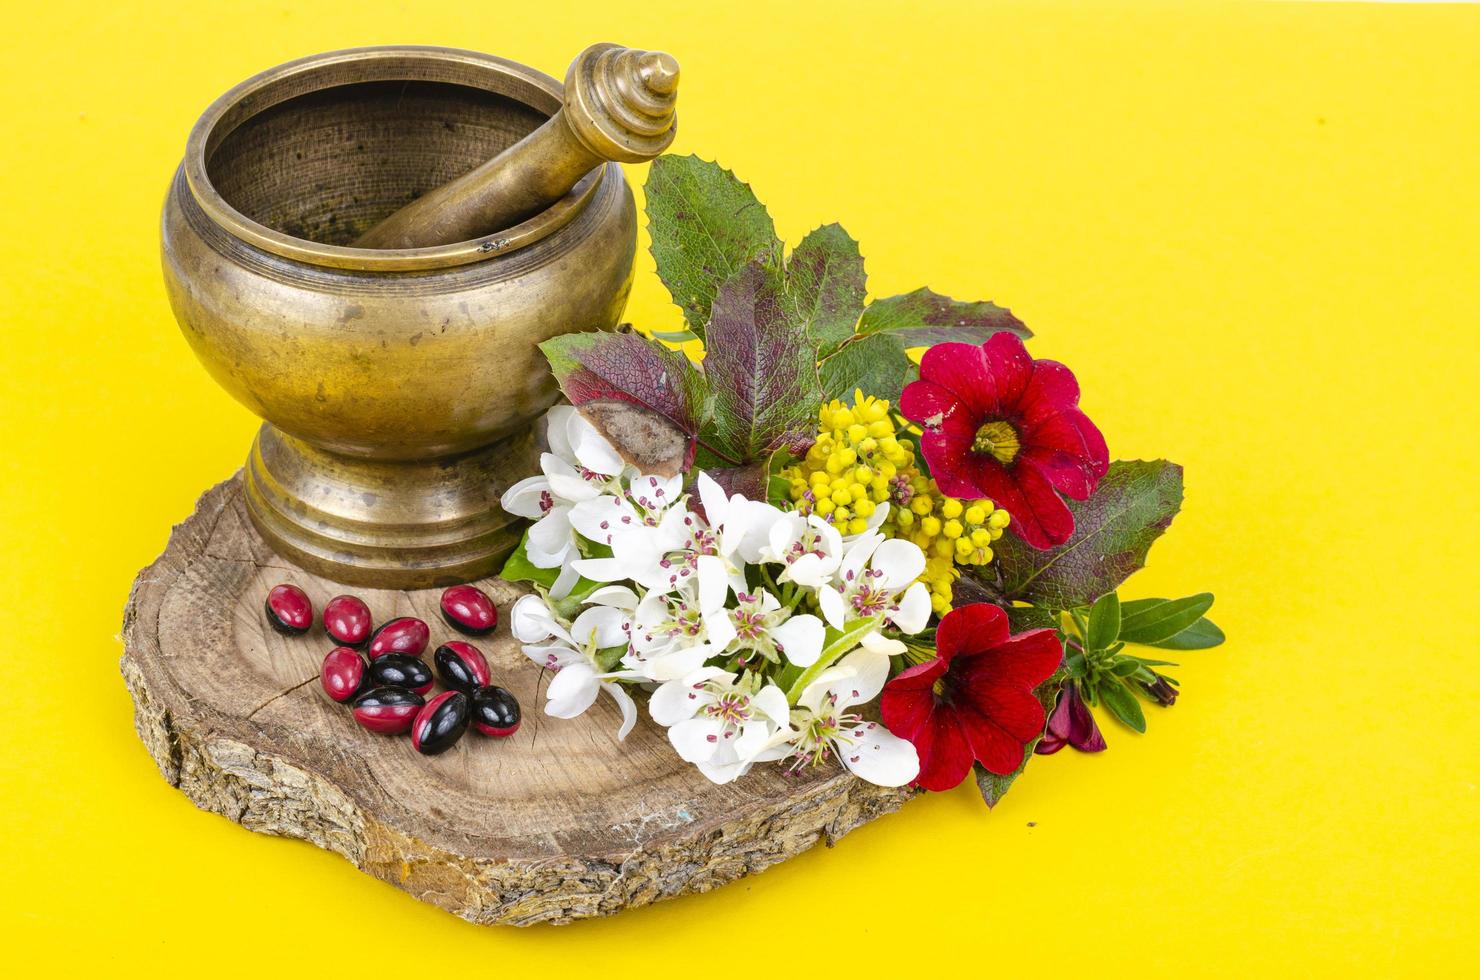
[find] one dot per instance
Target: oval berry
(343, 674)
(468, 610)
(461, 666)
(387, 710)
(441, 723)
(495, 712)
(347, 620)
(399, 670)
(407, 635)
(289, 610)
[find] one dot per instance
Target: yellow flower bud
(930, 525)
(999, 518)
(857, 526)
(903, 517)
(864, 507)
(976, 514)
(951, 508)
(824, 506)
(923, 506)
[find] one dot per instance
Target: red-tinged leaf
(761, 368)
(925, 317)
(705, 224)
(604, 367)
(1133, 504)
(825, 283)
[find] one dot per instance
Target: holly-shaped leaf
(1134, 503)
(825, 283)
(596, 369)
(877, 366)
(762, 370)
(706, 225)
(925, 317)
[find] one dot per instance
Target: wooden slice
(558, 822)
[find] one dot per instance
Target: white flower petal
(677, 700)
(800, 639)
(696, 739)
(878, 755)
(911, 613)
(771, 702)
(600, 569)
(716, 504)
(833, 609)
(526, 498)
(600, 519)
(900, 561)
(601, 626)
(571, 691)
(557, 425)
(867, 671)
(616, 596)
(882, 644)
(564, 582)
(530, 620)
(591, 448)
(714, 583)
(553, 655)
(668, 666)
(549, 538)
(626, 705)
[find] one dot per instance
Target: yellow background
(1251, 231)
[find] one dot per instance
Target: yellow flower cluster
(853, 465)
(859, 462)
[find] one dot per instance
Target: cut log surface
(558, 822)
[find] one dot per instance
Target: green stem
(845, 642)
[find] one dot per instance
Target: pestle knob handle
(619, 105)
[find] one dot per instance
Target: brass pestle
(618, 105)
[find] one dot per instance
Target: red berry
(468, 610)
(343, 674)
(399, 670)
(461, 666)
(441, 723)
(495, 712)
(347, 620)
(387, 710)
(407, 635)
(289, 610)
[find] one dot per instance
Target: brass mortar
(398, 386)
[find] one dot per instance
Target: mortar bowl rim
(348, 66)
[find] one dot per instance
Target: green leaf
(518, 567)
(1199, 636)
(647, 400)
(877, 365)
(825, 286)
(1113, 529)
(1104, 622)
(925, 317)
(1161, 619)
(992, 786)
(1125, 668)
(1123, 704)
(761, 369)
(706, 225)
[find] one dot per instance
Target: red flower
(1001, 425)
(1071, 723)
(975, 699)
